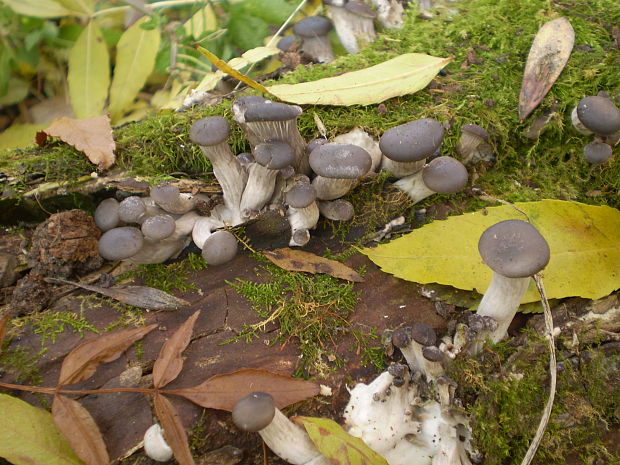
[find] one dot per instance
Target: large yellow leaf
(402, 75)
(584, 242)
(38, 8)
(79, 7)
(202, 21)
(89, 73)
(135, 60)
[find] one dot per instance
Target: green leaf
(19, 136)
(89, 73)
(202, 21)
(246, 31)
(78, 7)
(402, 75)
(38, 8)
(338, 445)
(28, 436)
(272, 11)
(584, 242)
(135, 60)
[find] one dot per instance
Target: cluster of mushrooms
(598, 115)
(282, 172)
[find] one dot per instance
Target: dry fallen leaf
(223, 391)
(299, 260)
(4, 322)
(83, 361)
(169, 362)
(549, 53)
(78, 426)
(174, 433)
(93, 136)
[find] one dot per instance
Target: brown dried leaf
(4, 322)
(174, 433)
(80, 429)
(83, 361)
(223, 391)
(169, 362)
(549, 53)
(93, 136)
(300, 260)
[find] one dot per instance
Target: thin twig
(553, 373)
(484, 196)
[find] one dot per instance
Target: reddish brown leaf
(549, 53)
(223, 391)
(4, 323)
(80, 429)
(300, 260)
(174, 433)
(83, 361)
(169, 362)
(92, 136)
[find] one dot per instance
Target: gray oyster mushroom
(315, 42)
(303, 211)
(596, 114)
(473, 144)
(219, 248)
(354, 24)
(106, 214)
(596, 153)
(336, 210)
(120, 243)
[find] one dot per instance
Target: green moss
(49, 324)
(23, 363)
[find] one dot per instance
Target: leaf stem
(52, 391)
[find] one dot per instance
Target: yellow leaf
(38, 8)
(135, 60)
(584, 242)
(19, 136)
(78, 7)
(202, 21)
(89, 73)
(402, 75)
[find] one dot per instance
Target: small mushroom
(515, 251)
(170, 199)
(288, 43)
(411, 340)
(336, 210)
(315, 43)
(473, 144)
(434, 360)
(106, 214)
(354, 24)
(219, 248)
(405, 147)
(338, 168)
(596, 114)
(132, 210)
(443, 175)
(303, 212)
(257, 412)
(361, 138)
(158, 227)
(596, 153)
(120, 243)
(155, 445)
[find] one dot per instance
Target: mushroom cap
(597, 152)
(445, 175)
(131, 209)
(274, 154)
(475, 130)
(599, 114)
(165, 193)
(432, 354)
(412, 141)
(120, 243)
(314, 143)
(301, 195)
(158, 227)
(270, 111)
(254, 412)
(423, 334)
(209, 131)
(106, 214)
(337, 210)
(340, 161)
(286, 42)
(312, 26)
(401, 337)
(514, 248)
(360, 9)
(219, 248)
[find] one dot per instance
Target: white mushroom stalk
(354, 24)
(315, 42)
(515, 251)
(389, 13)
(303, 211)
(155, 446)
(411, 340)
(443, 175)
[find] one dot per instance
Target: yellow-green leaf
(89, 73)
(584, 242)
(135, 60)
(28, 436)
(338, 445)
(38, 8)
(19, 136)
(78, 7)
(402, 75)
(202, 21)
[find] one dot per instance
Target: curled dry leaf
(83, 361)
(169, 362)
(78, 426)
(549, 53)
(223, 391)
(137, 296)
(300, 260)
(174, 432)
(92, 136)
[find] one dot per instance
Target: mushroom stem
(401, 169)
(414, 187)
(302, 218)
(258, 190)
(332, 188)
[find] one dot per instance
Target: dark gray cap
(360, 9)
(337, 210)
(412, 141)
(314, 143)
(341, 161)
(120, 243)
(209, 131)
(286, 42)
(401, 337)
(274, 154)
(165, 193)
(475, 130)
(597, 152)
(271, 111)
(514, 248)
(599, 114)
(423, 334)
(445, 175)
(301, 195)
(106, 214)
(219, 248)
(254, 412)
(433, 354)
(312, 26)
